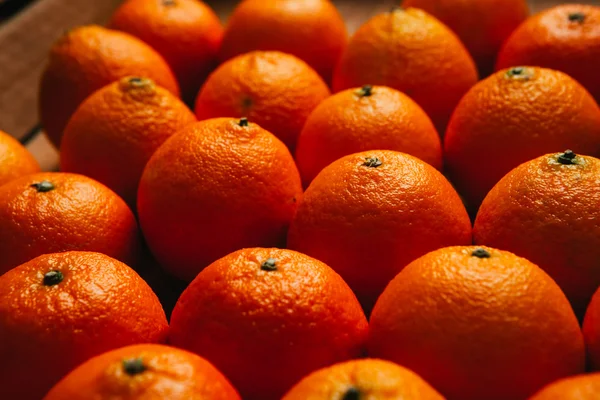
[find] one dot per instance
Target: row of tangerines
(463, 322)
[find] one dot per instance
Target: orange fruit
(269, 311)
(565, 37)
(512, 117)
(367, 118)
(477, 323)
(275, 90)
(15, 160)
(482, 26)
(591, 331)
(371, 378)
(60, 309)
(548, 211)
(215, 187)
(409, 50)
(114, 132)
(369, 214)
(144, 371)
(580, 387)
(187, 33)
(312, 30)
(56, 211)
(86, 59)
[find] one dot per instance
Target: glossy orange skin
(275, 90)
(377, 379)
(350, 122)
(289, 321)
(187, 33)
(312, 30)
(367, 223)
(580, 387)
(477, 328)
(213, 188)
(413, 52)
(506, 120)
(115, 131)
(15, 160)
(591, 331)
(45, 331)
(86, 59)
(482, 25)
(170, 373)
(79, 214)
(549, 213)
(550, 39)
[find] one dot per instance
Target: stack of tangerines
(320, 250)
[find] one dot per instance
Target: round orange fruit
(267, 309)
(579, 387)
(312, 30)
(367, 118)
(187, 33)
(369, 214)
(144, 371)
(114, 132)
(86, 59)
(565, 37)
(357, 379)
(15, 160)
(55, 211)
(482, 26)
(514, 116)
(477, 323)
(275, 90)
(548, 211)
(58, 310)
(411, 51)
(215, 187)
(591, 331)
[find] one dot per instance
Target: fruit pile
(270, 210)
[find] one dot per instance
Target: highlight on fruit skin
(144, 371)
(578, 387)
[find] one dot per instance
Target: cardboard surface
(26, 37)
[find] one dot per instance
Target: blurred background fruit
(145, 371)
(15, 160)
(369, 214)
(367, 118)
(578, 387)
(84, 60)
(514, 116)
(215, 187)
(115, 131)
(277, 91)
(409, 50)
(565, 37)
(477, 323)
(187, 33)
(268, 317)
(57, 211)
(312, 30)
(58, 310)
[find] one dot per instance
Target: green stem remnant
(567, 158)
(578, 17)
(52, 278)
(481, 253)
(244, 122)
(372, 162)
(365, 91)
(352, 394)
(43, 186)
(133, 366)
(269, 265)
